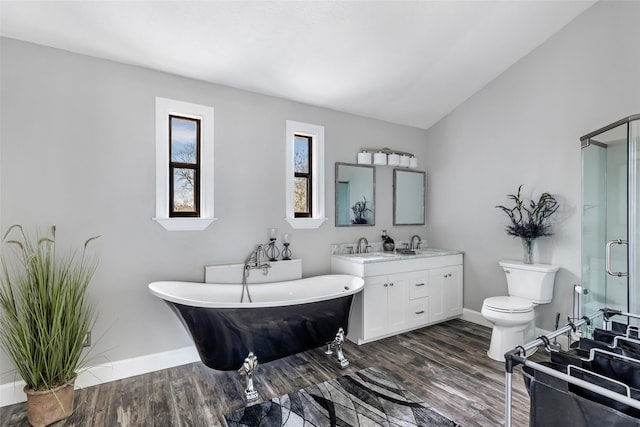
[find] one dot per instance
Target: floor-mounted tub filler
(284, 318)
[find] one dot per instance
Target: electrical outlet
(87, 339)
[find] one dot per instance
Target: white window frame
(316, 133)
(164, 108)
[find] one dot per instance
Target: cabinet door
(452, 291)
(445, 293)
(375, 306)
(397, 301)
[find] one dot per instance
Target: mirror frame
(373, 193)
(424, 196)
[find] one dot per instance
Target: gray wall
(524, 128)
(78, 151)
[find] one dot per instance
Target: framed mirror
(355, 195)
(409, 189)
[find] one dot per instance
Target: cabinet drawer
(418, 288)
(417, 314)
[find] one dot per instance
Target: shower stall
(610, 229)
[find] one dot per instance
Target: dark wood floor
(445, 364)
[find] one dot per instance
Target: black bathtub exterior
(225, 336)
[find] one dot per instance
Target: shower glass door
(610, 192)
(634, 202)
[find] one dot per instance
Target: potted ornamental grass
(44, 318)
(529, 220)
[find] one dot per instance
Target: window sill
(305, 223)
(184, 224)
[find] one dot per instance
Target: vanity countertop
(376, 257)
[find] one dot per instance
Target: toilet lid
(509, 304)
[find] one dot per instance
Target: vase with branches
(529, 220)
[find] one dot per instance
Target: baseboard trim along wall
(475, 317)
(11, 393)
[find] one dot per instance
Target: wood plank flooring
(444, 364)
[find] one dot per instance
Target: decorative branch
(530, 220)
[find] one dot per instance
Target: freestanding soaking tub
(284, 318)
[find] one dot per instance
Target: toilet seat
(508, 304)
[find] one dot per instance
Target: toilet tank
(531, 281)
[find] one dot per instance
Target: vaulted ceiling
(406, 62)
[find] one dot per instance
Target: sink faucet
(362, 245)
(415, 242)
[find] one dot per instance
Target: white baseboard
(475, 317)
(11, 393)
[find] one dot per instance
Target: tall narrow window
(303, 176)
(184, 167)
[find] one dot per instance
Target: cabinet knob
(386, 284)
(420, 312)
(419, 284)
(391, 284)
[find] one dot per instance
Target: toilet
(513, 316)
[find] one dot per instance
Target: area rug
(365, 398)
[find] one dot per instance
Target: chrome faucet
(254, 262)
(363, 243)
(255, 258)
(416, 241)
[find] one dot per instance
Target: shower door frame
(632, 204)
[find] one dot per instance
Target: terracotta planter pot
(47, 407)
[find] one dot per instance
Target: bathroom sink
(372, 255)
(398, 255)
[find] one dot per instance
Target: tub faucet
(415, 242)
(255, 259)
(362, 245)
(252, 262)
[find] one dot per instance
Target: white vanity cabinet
(402, 292)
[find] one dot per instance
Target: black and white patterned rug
(366, 398)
